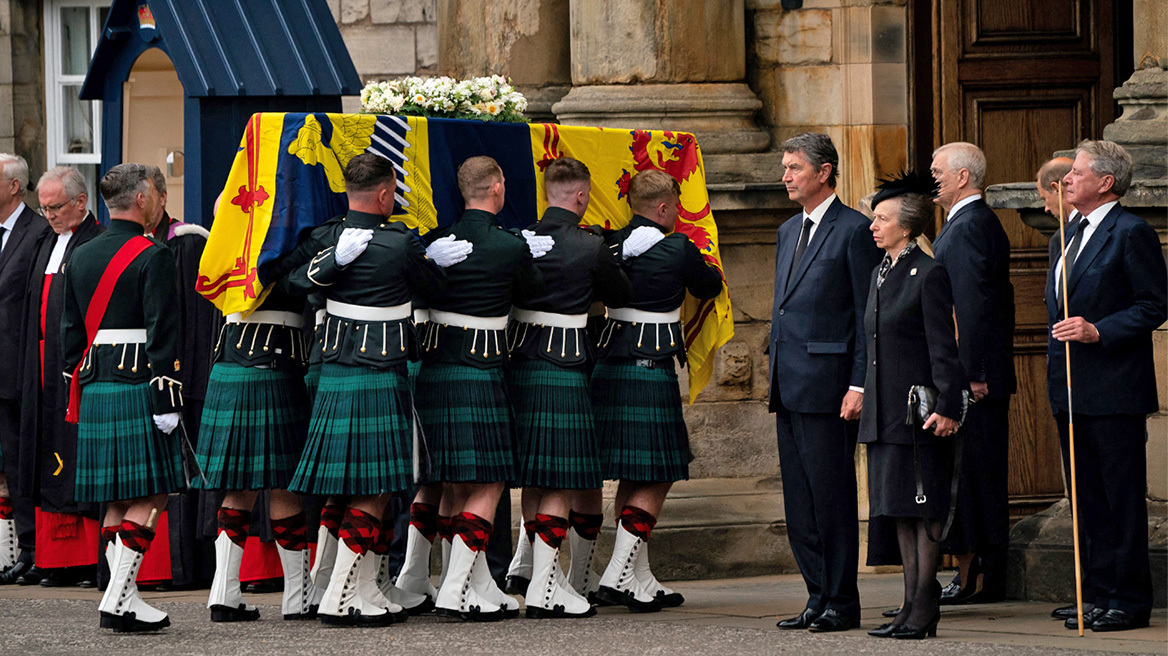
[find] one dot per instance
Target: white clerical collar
(960, 204)
(816, 214)
(10, 222)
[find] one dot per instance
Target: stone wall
(22, 86)
(388, 38)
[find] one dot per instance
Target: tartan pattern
(359, 530)
(331, 518)
(586, 526)
(446, 528)
(291, 532)
(638, 522)
(108, 533)
(551, 529)
(424, 517)
(135, 536)
(235, 523)
(120, 453)
(555, 431)
(5, 508)
(384, 538)
(638, 418)
(312, 380)
(475, 530)
(529, 529)
(360, 440)
(253, 427)
(467, 423)
(413, 368)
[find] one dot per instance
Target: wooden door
(1023, 79)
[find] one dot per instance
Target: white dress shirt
(816, 216)
(1088, 228)
(8, 224)
(960, 204)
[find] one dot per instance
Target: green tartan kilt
(466, 421)
(360, 440)
(413, 367)
(312, 380)
(555, 432)
(120, 453)
(253, 428)
(638, 417)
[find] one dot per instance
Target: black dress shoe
(31, 577)
(516, 585)
(832, 620)
(63, 577)
(9, 576)
(891, 612)
(1067, 612)
(800, 621)
(1089, 618)
(908, 632)
(1118, 620)
(885, 630)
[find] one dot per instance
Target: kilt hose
(555, 433)
(638, 418)
(120, 453)
(360, 440)
(466, 419)
(253, 428)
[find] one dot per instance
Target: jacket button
(782, 312)
(873, 363)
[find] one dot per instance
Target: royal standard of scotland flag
(287, 178)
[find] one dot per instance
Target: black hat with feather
(907, 182)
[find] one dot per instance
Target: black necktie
(804, 236)
(1078, 227)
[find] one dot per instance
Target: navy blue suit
(975, 250)
(817, 350)
(1119, 283)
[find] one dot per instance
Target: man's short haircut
(476, 176)
(158, 177)
(13, 167)
(121, 184)
(817, 149)
(565, 170)
(367, 171)
(1053, 171)
(68, 177)
(1109, 158)
(964, 155)
(651, 187)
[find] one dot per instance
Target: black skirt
(892, 482)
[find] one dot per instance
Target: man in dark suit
(975, 251)
(19, 229)
(824, 262)
(1116, 296)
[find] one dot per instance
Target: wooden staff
(1071, 420)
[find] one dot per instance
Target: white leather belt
(421, 315)
(552, 319)
(275, 317)
(120, 336)
(467, 321)
(320, 316)
(641, 316)
(368, 312)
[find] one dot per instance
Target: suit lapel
(1094, 246)
(813, 246)
(783, 258)
(18, 232)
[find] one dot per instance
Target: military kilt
(312, 380)
(253, 428)
(120, 453)
(555, 431)
(466, 419)
(638, 417)
(360, 440)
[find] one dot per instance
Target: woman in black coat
(911, 341)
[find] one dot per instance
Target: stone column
(525, 40)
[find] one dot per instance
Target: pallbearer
(557, 443)
(118, 338)
(635, 391)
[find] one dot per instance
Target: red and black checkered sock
(291, 532)
(551, 529)
(383, 540)
(529, 529)
(359, 530)
(446, 528)
(586, 526)
(135, 536)
(108, 533)
(330, 518)
(5, 508)
(424, 517)
(234, 523)
(638, 522)
(474, 530)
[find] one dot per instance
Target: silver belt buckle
(645, 362)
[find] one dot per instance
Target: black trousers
(981, 524)
(1111, 463)
(818, 467)
(23, 508)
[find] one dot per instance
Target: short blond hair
(476, 176)
(650, 187)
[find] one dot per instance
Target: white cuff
(855, 388)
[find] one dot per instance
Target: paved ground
(720, 617)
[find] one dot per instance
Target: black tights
(920, 556)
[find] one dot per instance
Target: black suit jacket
(1119, 282)
(15, 265)
(909, 326)
(817, 346)
(975, 251)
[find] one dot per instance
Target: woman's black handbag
(922, 403)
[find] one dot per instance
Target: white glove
(641, 240)
(448, 252)
(353, 242)
(167, 422)
(539, 245)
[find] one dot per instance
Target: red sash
(96, 311)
